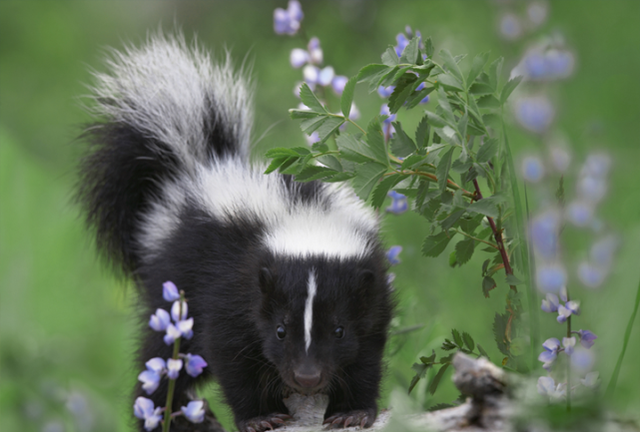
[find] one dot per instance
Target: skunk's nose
(308, 377)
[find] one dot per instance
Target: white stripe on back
(308, 309)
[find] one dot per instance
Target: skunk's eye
(339, 332)
(281, 332)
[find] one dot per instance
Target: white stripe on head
(308, 309)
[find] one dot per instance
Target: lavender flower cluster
(157, 368)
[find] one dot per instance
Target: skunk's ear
(266, 281)
(365, 281)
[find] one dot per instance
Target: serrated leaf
(464, 250)
(451, 64)
(483, 352)
(499, 330)
(481, 88)
(447, 112)
(382, 188)
(476, 67)
(412, 160)
(487, 285)
(442, 170)
(413, 383)
(433, 385)
(429, 50)
(485, 266)
(457, 338)
(488, 101)
(327, 128)
(309, 98)
(435, 120)
(330, 162)
(422, 133)
(411, 51)
(284, 151)
(417, 97)
(509, 87)
(401, 144)
(367, 176)
(354, 150)
(434, 245)
(403, 90)
(462, 125)
(468, 341)
(449, 82)
(389, 57)
(494, 72)
(512, 280)
(347, 96)
(375, 139)
(276, 163)
(487, 150)
(429, 360)
(451, 220)
(297, 114)
(311, 173)
(308, 126)
(486, 206)
(387, 78)
(369, 72)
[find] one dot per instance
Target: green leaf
(354, 149)
(464, 250)
(457, 338)
(403, 90)
(371, 72)
(494, 72)
(389, 57)
(449, 82)
(312, 172)
(512, 280)
(422, 133)
(442, 170)
(434, 245)
(468, 341)
(483, 352)
(417, 96)
(308, 126)
(429, 50)
(499, 330)
(330, 162)
(488, 101)
(310, 99)
(433, 385)
(412, 160)
(462, 125)
(485, 206)
(382, 188)
(476, 67)
(451, 64)
(411, 51)
(487, 285)
(284, 151)
(508, 88)
(367, 176)
(487, 150)
(480, 89)
(446, 107)
(492, 120)
(328, 128)
(276, 163)
(375, 139)
(297, 114)
(435, 120)
(347, 96)
(401, 144)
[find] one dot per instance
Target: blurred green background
(67, 332)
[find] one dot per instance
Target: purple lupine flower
(582, 359)
(160, 320)
(510, 27)
(537, 13)
(570, 308)
(597, 165)
(313, 138)
(399, 203)
(194, 364)
(170, 291)
(194, 411)
(592, 189)
(579, 212)
(392, 254)
(172, 334)
(311, 74)
(143, 409)
(179, 310)
(384, 111)
(603, 250)
(385, 92)
(402, 41)
(551, 348)
(551, 278)
(534, 113)
(315, 51)
(426, 98)
(591, 379)
(338, 83)
(563, 294)
(544, 232)
(288, 21)
(568, 343)
(532, 169)
(551, 303)
(587, 338)
(173, 368)
(547, 387)
(298, 57)
(150, 381)
(185, 327)
(157, 365)
(590, 274)
(326, 76)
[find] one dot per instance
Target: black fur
(238, 291)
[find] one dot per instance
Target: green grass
(66, 322)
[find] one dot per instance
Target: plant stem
(568, 363)
(172, 383)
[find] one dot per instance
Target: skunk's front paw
(362, 418)
(264, 423)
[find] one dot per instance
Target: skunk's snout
(307, 376)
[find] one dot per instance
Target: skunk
(286, 281)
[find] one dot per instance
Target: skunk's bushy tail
(163, 111)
